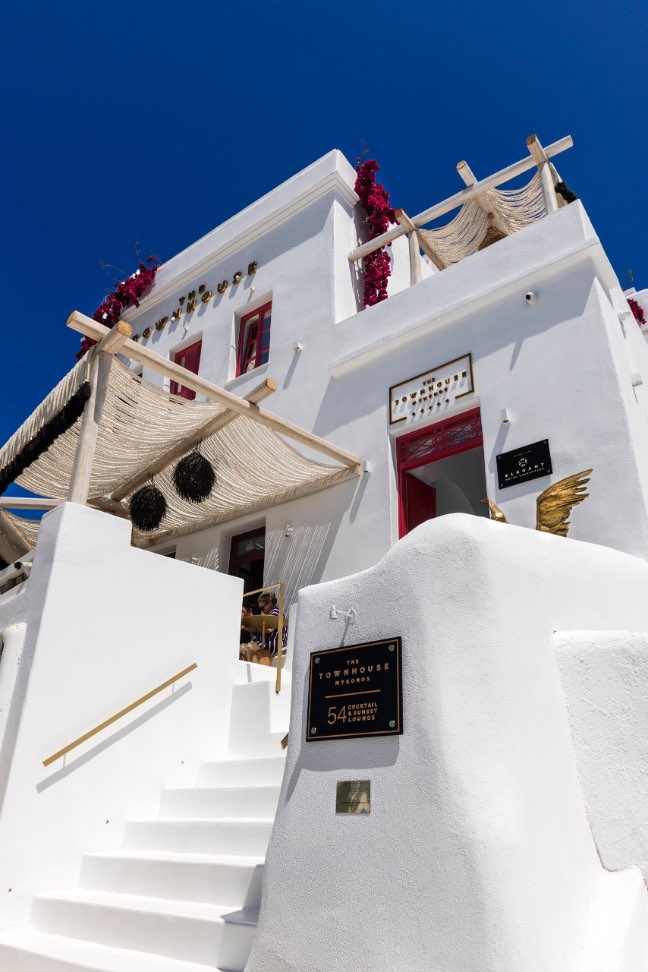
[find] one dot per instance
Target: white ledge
(331, 173)
(566, 237)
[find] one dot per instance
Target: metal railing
(280, 628)
(118, 715)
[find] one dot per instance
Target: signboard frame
(381, 704)
(429, 396)
(536, 456)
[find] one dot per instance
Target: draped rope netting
(255, 468)
(513, 209)
(26, 529)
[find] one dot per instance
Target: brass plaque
(353, 796)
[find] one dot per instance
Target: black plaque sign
(355, 691)
(520, 465)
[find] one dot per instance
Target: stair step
(31, 951)
(242, 772)
(207, 802)
(184, 930)
(247, 838)
(234, 881)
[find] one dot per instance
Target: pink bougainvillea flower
(126, 294)
(376, 268)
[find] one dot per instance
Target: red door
(419, 501)
(439, 441)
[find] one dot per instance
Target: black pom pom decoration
(194, 478)
(566, 192)
(147, 508)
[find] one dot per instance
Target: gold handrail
(118, 715)
(282, 596)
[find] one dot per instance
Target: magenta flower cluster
(637, 310)
(126, 294)
(376, 267)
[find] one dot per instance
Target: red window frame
(253, 347)
(438, 441)
(188, 358)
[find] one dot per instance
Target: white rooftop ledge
(564, 237)
(333, 172)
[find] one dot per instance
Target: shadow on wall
(298, 560)
(114, 737)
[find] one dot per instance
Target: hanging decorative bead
(147, 508)
(194, 477)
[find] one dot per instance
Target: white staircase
(183, 892)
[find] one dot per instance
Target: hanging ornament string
(376, 267)
(126, 294)
(194, 477)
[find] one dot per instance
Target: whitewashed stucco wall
(105, 623)
(477, 853)
(605, 680)
(562, 368)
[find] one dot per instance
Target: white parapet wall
(98, 625)
(605, 678)
(477, 853)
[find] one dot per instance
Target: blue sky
(132, 127)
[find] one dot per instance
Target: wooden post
(414, 251)
(544, 168)
(85, 325)
(100, 378)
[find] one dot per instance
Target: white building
(487, 372)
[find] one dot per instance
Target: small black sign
(520, 465)
(355, 691)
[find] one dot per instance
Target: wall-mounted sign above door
(431, 393)
(520, 465)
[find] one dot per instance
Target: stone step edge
(171, 907)
(87, 955)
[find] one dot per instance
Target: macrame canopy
(174, 466)
(486, 214)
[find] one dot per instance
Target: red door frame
(438, 441)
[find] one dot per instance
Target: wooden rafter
(262, 391)
(150, 359)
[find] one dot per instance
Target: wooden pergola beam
(28, 503)
(459, 198)
(150, 359)
(12, 534)
(262, 391)
(46, 503)
(541, 158)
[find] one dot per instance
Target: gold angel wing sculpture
(557, 501)
(495, 512)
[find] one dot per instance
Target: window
(254, 339)
(188, 358)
